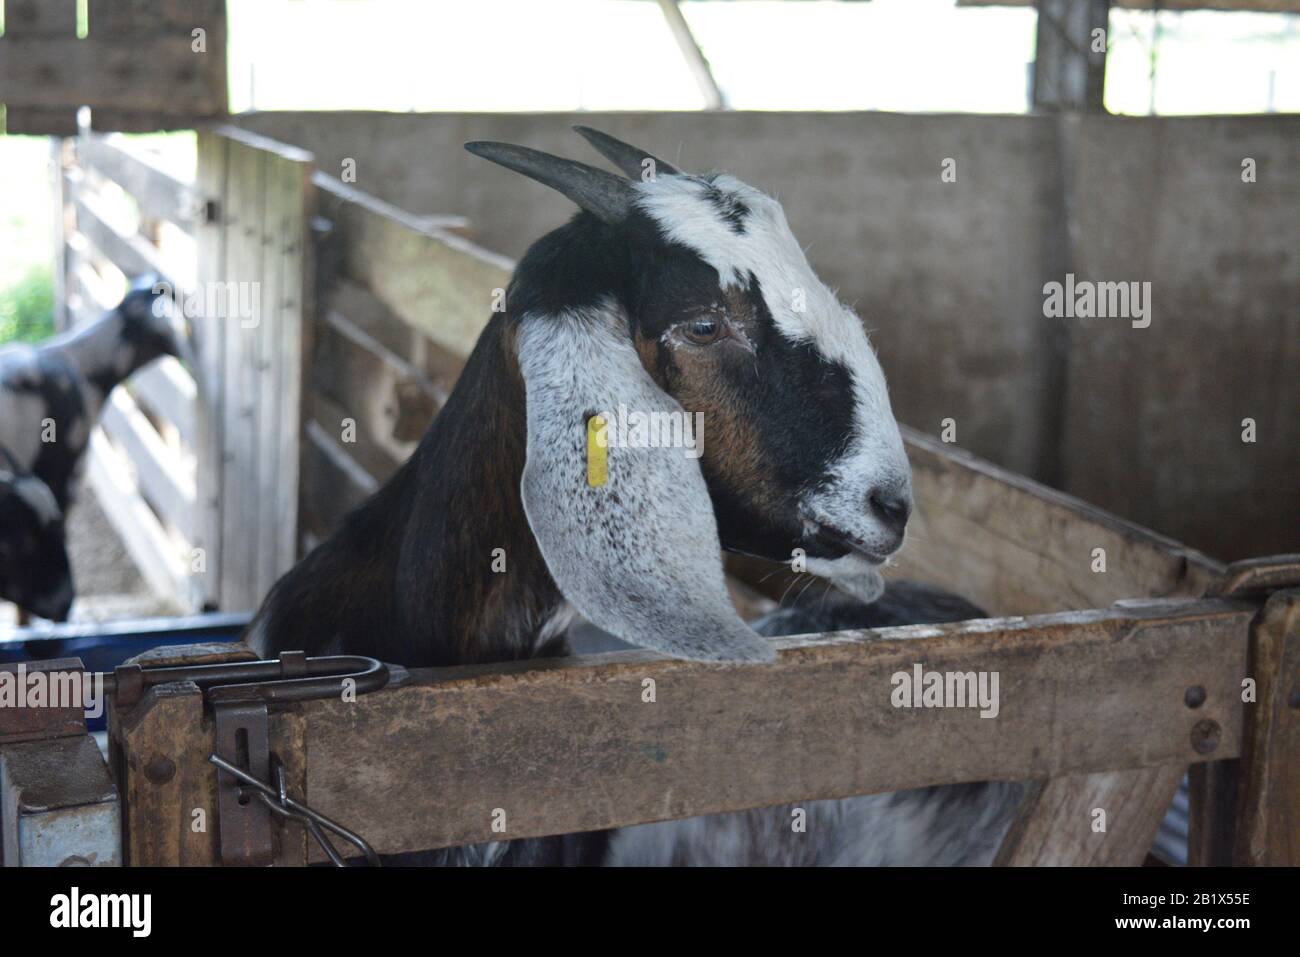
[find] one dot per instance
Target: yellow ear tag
(597, 452)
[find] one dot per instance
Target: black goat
(34, 569)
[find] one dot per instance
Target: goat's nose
(891, 506)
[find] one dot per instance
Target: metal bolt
(160, 770)
(1205, 736)
(1194, 697)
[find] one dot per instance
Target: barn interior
(296, 167)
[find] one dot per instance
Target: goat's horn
(602, 194)
(625, 156)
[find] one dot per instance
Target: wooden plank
(209, 348)
(160, 752)
(1104, 819)
(266, 345)
(391, 402)
(148, 543)
(1013, 546)
(168, 391)
(160, 194)
(41, 18)
(1268, 819)
(243, 232)
(130, 252)
(26, 19)
(1212, 812)
(264, 213)
(292, 352)
(59, 155)
(35, 121)
(147, 74)
(438, 282)
(327, 418)
(123, 18)
(569, 745)
(333, 483)
(164, 480)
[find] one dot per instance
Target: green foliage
(27, 307)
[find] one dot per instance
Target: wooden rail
(571, 745)
(139, 66)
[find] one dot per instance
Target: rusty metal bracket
(241, 695)
(1256, 576)
(244, 826)
(293, 677)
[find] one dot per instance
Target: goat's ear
(637, 552)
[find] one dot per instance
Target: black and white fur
(668, 292)
(65, 381)
(34, 570)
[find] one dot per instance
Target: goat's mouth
(824, 535)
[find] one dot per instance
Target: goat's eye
(703, 330)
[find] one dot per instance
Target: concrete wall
(949, 276)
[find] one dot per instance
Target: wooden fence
(197, 463)
(404, 298)
(123, 213)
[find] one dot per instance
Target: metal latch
(250, 778)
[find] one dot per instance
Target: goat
(667, 292)
(52, 393)
(34, 568)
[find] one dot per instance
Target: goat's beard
(851, 574)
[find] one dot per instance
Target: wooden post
(254, 259)
(1109, 818)
(38, 21)
(160, 747)
(1268, 817)
(1069, 74)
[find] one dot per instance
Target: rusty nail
(1205, 736)
(1194, 697)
